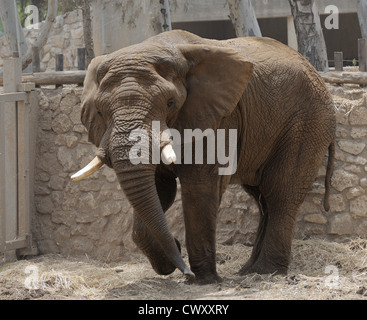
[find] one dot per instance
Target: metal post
(59, 65)
(81, 58)
(36, 65)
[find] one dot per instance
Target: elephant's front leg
(200, 205)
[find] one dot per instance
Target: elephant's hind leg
(272, 249)
(255, 192)
(284, 185)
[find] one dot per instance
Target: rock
(44, 205)
(45, 120)
(77, 33)
(358, 116)
(337, 203)
(315, 218)
(355, 192)
(56, 183)
(358, 207)
(308, 207)
(358, 133)
(356, 160)
(79, 128)
(363, 183)
(56, 42)
(342, 180)
(87, 206)
(69, 141)
(341, 224)
(110, 207)
(72, 17)
(66, 159)
(352, 147)
(97, 228)
(63, 217)
(75, 114)
(361, 229)
(68, 103)
(62, 124)
(81, 245)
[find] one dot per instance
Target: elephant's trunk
(138, 184)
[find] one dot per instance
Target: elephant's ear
(90, 117)
(215, 82)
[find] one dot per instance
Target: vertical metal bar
(59, 65)
(36, 65)
(81, 58)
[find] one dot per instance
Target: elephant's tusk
(168, 154)
(90, 168)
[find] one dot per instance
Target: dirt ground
(320, 270)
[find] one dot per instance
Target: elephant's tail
(329, 173)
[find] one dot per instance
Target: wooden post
(12, 77)
(23, 170)
(81, 58)
(362, 54)
(2, 180)
(338, 59)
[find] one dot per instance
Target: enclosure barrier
(15, 195)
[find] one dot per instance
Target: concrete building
(119, 23)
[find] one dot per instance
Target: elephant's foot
(263, 267)
(205, 279)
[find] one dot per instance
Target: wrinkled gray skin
(264, 89)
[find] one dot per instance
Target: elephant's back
(263, 51)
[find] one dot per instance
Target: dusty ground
(319, 270)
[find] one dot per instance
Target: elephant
(284, 122)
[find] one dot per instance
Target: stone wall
(66, 36)
(93, 217)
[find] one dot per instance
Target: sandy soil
(320, 270)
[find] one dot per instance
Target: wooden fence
(15, 194)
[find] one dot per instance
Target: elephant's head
(183, 86)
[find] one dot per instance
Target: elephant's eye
(171, 103)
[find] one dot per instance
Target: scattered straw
(319, 270)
